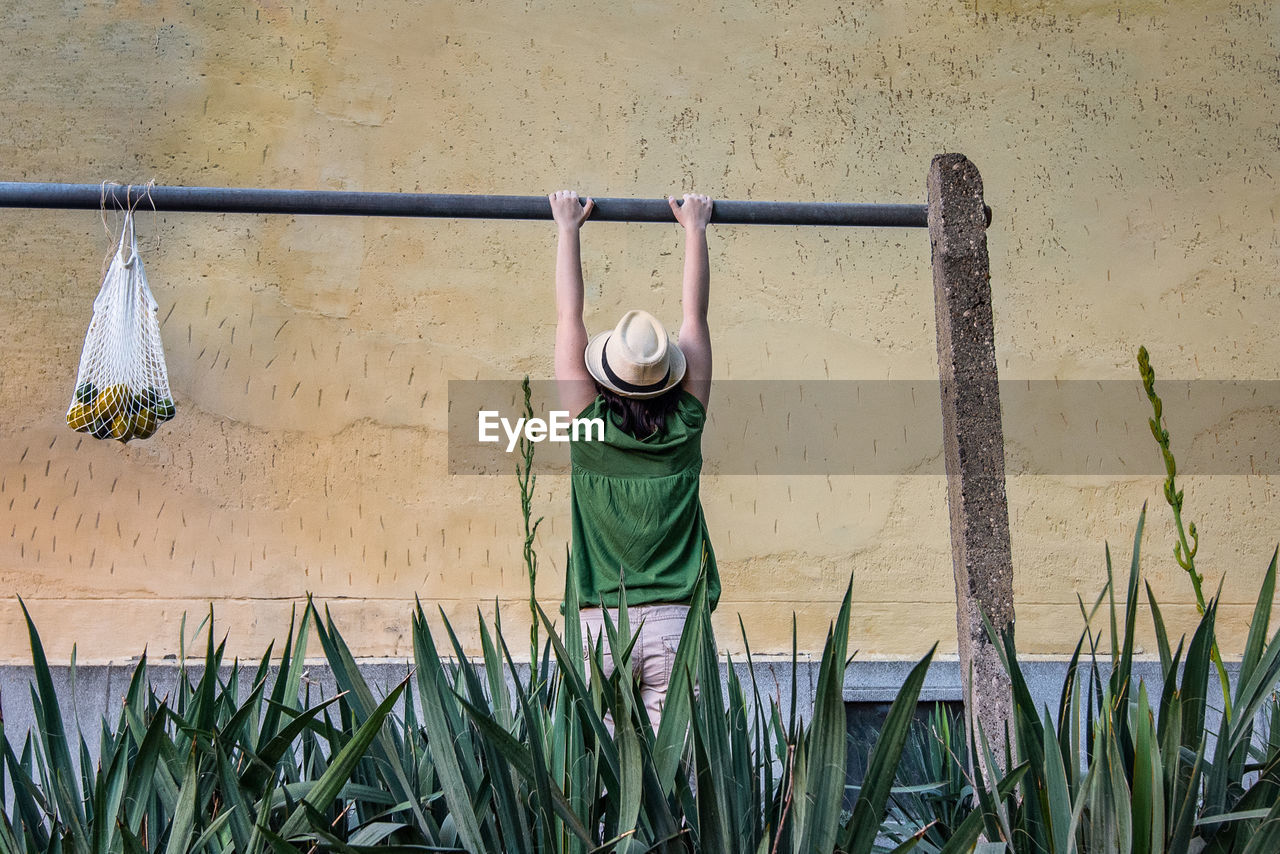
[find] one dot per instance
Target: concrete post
(973, 439)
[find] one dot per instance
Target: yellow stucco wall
(1129, 151)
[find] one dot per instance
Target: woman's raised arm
(575, 384)
(695, 335)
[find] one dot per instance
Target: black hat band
(623, 384)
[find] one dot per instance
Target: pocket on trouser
(660, 687)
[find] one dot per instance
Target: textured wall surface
(1129, 151)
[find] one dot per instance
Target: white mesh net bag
(122, 387)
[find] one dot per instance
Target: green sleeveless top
(636, 514)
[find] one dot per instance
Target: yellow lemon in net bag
(121, 427)
(78, 417)
(144, 423)
(108, 403)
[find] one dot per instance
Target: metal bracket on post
(973, 437)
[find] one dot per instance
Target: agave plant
(466, 756)
(934, 792)
(1121, 769)
(198, 770)
(484, 755)
(566, 759)
(1148, 775)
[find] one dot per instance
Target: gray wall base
(100, 689)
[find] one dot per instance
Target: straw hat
(637, 358)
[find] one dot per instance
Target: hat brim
(594, 356)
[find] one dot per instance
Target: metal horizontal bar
(343, 203)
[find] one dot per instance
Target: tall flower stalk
(1184, 550)
(527, 481)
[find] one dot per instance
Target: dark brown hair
(641, 418)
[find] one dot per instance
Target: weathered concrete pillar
(973, 439)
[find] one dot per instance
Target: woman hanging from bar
(636, 515)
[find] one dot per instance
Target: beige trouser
(658, 627)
